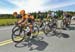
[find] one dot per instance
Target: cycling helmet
(22, 12)
(15, 14)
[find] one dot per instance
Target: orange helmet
(22, 12)
(14, 13)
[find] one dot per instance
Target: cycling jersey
(25, 16)
(31, 19)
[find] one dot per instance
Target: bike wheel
(35, 31)
(15, 29)
(18, 35)
(47, 29)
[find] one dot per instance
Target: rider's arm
(24, 19)
(20, 21)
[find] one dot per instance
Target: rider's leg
(29, 33)
(30, 27)
(41, 22)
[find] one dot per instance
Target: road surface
(66, 43)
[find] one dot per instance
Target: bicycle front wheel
(47, 29)
(18, 35)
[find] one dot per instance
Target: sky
(10, 6)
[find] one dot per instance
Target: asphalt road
(66, 43)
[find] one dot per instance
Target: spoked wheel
(47, 29)
(15, 28)
(35, 31)
(18, 34)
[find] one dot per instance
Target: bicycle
(20, 33)
(49, 27)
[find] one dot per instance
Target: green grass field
(6, 22)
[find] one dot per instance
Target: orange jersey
(28, 17)
(25, 16)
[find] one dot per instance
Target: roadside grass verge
(7, 22)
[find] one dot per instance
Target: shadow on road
(20, 45)
(71, 28)
(64, 35)
(59, 35)
(39, 45)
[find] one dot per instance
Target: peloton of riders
(24, 18)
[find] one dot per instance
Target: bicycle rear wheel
(35, 31)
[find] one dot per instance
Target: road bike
(19, 33)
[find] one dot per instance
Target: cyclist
(26, 19)
(48, 16)
(69, 16)
(53, 21)
(15, 14)
(18, 16)
(40, 16)
(66, 19)
(54, 18)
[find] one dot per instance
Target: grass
(6, 22)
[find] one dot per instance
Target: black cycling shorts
(30, 21)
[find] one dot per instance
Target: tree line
(35, 14)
